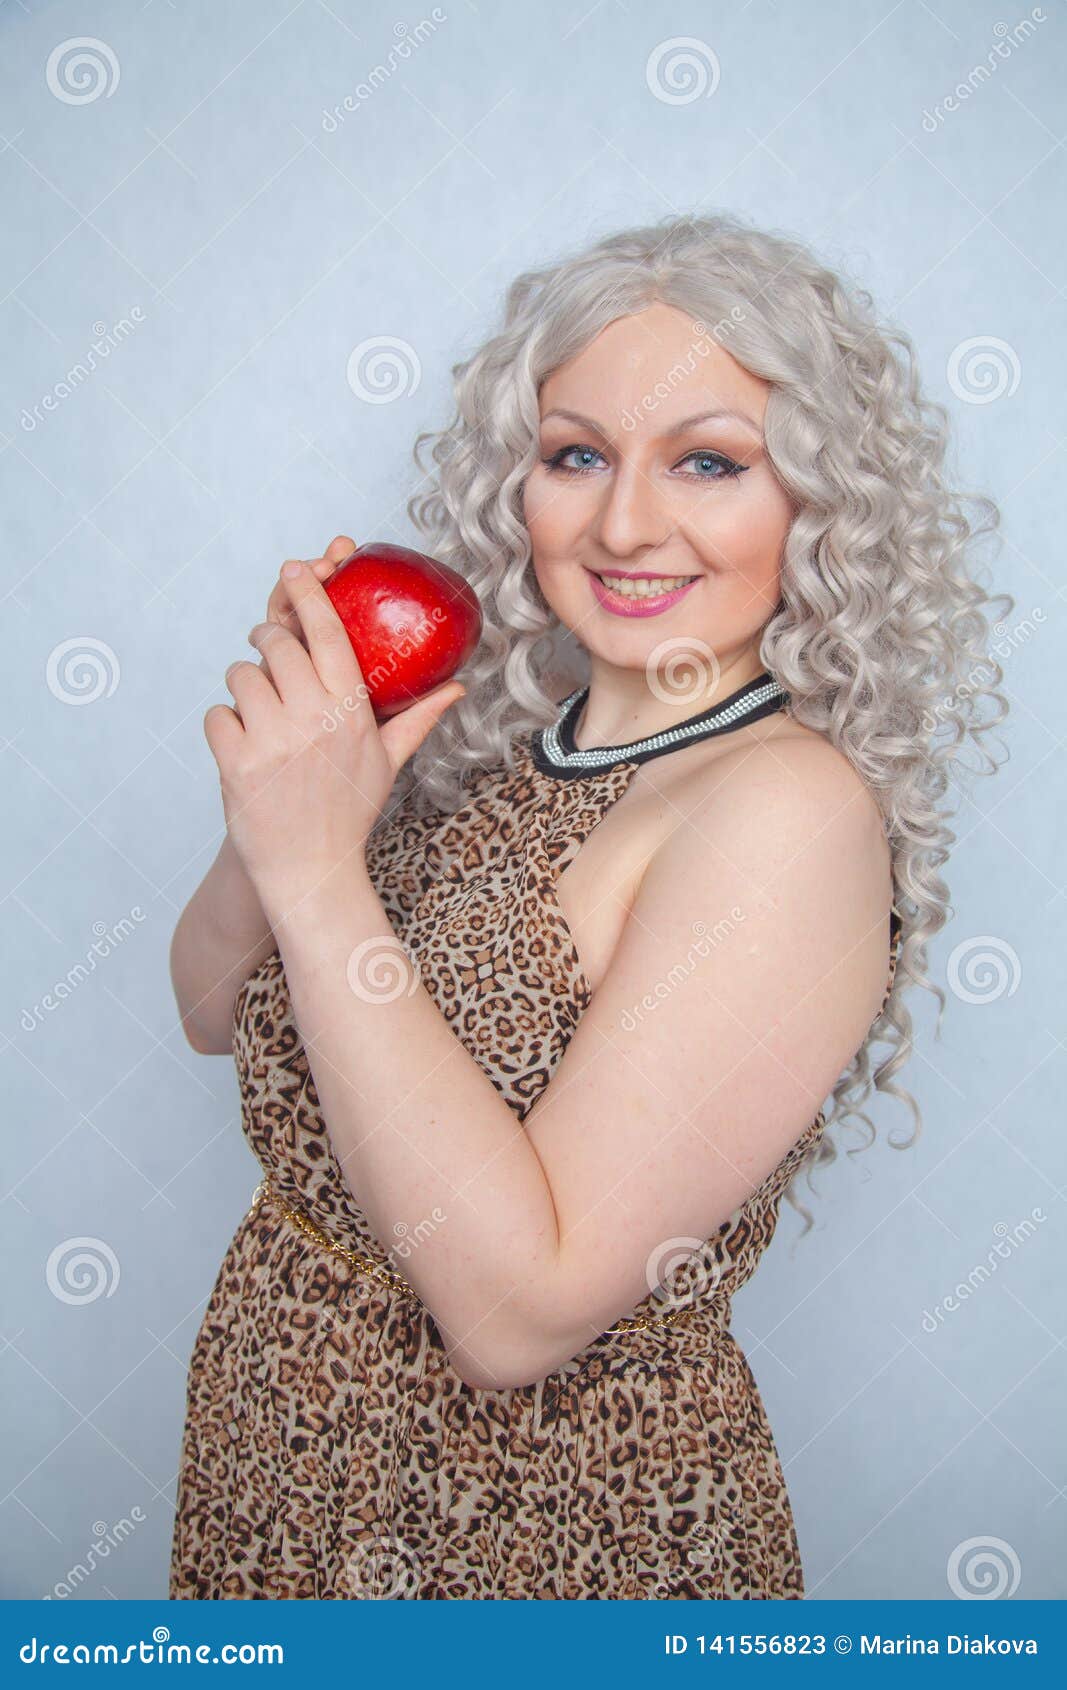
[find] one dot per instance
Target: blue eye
(721, 467)
(556, 460)
(721, 463)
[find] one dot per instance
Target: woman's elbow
(505, 1367)
(204, 1041)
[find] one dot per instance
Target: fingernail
(292, 567)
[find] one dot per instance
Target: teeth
(631, 589)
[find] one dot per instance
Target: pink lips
(620, 606)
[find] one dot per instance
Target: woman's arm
(221, 937)
(747, 976)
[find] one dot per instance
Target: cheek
(747, 535)
(552, 513)
(535, 497)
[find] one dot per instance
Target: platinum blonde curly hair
(880, 637)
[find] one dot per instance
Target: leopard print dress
(330, 1450)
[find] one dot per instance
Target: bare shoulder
(787, 814)
(779, 766)
(769, 887)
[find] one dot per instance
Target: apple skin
(412, 622)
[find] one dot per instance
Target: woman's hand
(304, 767)
(279, 605)
(280, 609)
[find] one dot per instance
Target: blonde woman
(541, 1004)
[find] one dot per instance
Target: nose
(634, 513)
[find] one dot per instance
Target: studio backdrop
(244, 247)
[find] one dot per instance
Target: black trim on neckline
(652, 745)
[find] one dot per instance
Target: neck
(622, 707)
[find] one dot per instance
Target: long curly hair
(881, 634)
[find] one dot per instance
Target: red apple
(412, 622)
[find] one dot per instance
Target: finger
(254, 693)
(338, 550)
(279, 609)
(327, 642)
(264, 664)
(402, 735)
(282, 613)
(288, 664)
(223, 732)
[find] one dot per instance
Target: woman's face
(630, 485)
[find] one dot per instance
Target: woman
(534, 1000)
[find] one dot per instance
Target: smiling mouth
(644, 586)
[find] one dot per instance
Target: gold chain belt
(266, 1191)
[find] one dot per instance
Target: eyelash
(730, 470)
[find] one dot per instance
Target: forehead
(662, 351)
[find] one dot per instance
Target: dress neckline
(554, 752)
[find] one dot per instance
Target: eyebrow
(675, 428)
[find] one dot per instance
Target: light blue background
(150, 510)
